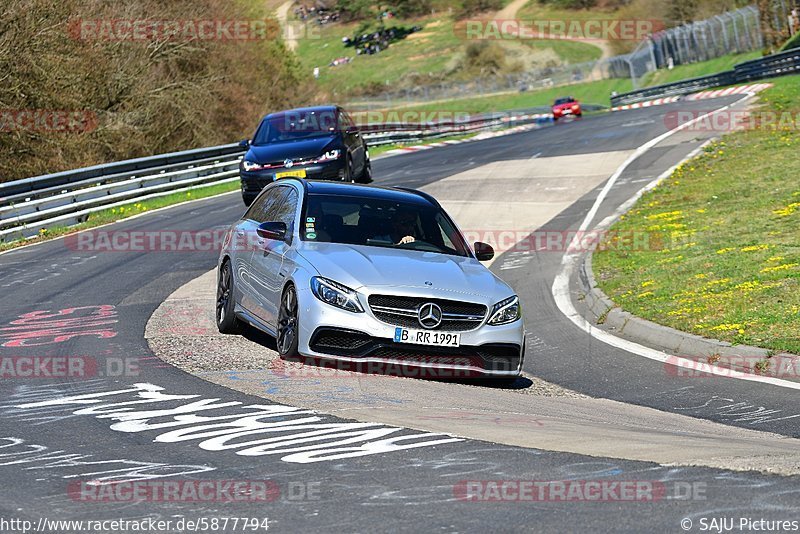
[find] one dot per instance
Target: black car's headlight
(506, 311)
(251, 166)
(330, 155)
(335, 294)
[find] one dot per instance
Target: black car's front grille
(404, 311)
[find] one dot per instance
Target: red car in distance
(566, 106)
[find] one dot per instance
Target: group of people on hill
(320, 14)
(374, 42)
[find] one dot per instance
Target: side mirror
(483, 251)
(272, 230)
(244, 143)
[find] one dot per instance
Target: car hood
(567, 105)
(358, 266)
(301, 149)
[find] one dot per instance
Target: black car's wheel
(287, 324)
(366, 174)
(227, 323)
(347, 175)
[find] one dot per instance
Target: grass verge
(727, 260)
(597, 92)
(123, 212)
(435, 50)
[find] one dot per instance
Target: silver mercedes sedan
(369, 275)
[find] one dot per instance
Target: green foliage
(794, 42)
(150, 96)
(473, 7)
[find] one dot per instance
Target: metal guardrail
(771, 66)
(683, 87)
(68, 198)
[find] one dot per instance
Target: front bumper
(332, 333)
(254, 181)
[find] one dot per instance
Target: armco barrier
(67, 198)
(771, 66)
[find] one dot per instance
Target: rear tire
(288, 331)
(227, 322)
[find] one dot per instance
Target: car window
(380, 223)
(284, 209)
(294, 125)
(264, 204)
(345, 121)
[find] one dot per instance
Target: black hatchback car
(320, 143)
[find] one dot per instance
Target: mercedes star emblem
(430, 315)
(288, 163)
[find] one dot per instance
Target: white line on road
(560, 287)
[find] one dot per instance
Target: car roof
(391, 194)
(314, 109)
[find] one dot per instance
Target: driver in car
(403, 224)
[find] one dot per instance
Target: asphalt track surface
(46, 449)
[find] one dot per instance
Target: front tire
(288, 332)
(227, 322)
(347, 175)
(366, 174)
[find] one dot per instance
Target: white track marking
(560, 287)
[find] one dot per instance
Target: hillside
(131, 97)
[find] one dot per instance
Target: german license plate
(427, 337)
(299, 173)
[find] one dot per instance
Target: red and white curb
(479, 137)
(648, 103)
(702, 95)
(737, 90)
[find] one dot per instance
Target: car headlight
(506, 311)
(335, 294)
(251, 166)
(330, 155)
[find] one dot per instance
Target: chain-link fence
(732, 32)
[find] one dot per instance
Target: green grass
(726, 260)
(694, 70)
(125, 211)
(597, 92)
(433, 50)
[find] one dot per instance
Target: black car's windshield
(293, 125)
(381, 223)
(565, 100)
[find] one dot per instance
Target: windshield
(566, 100)
(380, 223)
(294, 125)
